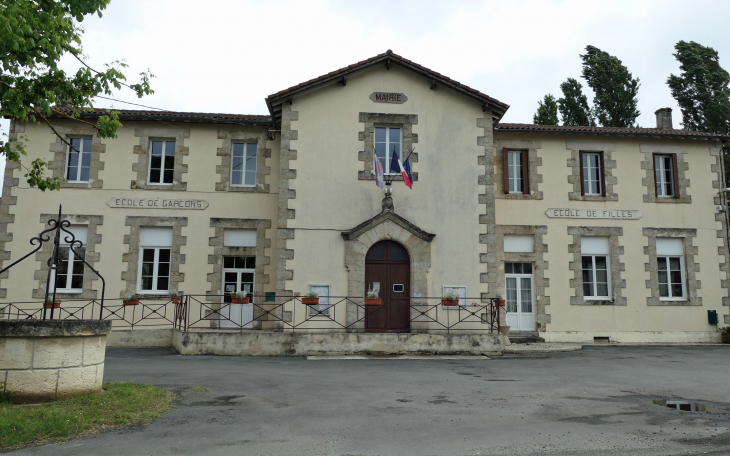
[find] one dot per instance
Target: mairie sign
(617, 214)
(157, 203)
(387, 97)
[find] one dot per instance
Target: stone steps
(524, 337)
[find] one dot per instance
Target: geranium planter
(240, 300)
(501, 302)
(176, 299)
(446, 302)
(55, 305)
(310, 301)
(131, 302)
(373, 302)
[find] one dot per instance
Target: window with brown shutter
(592, 175)
(665, 175)
(515, 171)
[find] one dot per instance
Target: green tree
(573, 105)
(702, 88)
(547, 111)
(34, 35)
(615, 103)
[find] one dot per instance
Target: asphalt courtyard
(596, 401)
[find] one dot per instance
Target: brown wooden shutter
(580, 164)
(675, 175)
(603, 173)
(653, 170)
(505, 169)
(525, 173)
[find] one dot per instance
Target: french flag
(395, 164)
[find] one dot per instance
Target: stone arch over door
(385, 226)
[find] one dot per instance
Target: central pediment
(388, 214)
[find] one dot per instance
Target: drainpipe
(724, 202)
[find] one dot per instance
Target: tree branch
(74, 118)
(54, 130)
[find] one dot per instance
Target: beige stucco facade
(314, 183)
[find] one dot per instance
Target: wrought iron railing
(287, 313)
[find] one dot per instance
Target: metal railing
(287, 313)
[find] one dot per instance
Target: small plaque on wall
(388, 97)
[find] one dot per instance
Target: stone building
(586, 232)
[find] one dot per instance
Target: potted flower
(372, 298)
(725, 334)
(311, 298)
(501, 301)
(55, 304)
(450, 299)
(239, 297)
(130, 300)
(175, 296)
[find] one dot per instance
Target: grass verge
(119, 404)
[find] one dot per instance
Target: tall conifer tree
(547, 112)
(573, 105)
(615, 103)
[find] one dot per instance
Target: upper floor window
(665, 172)
(388, 140)
(516, 178)
(596, 271)
(670, 268)
(162, 162)
(69, 277)
(155, 259)
(591, 174)
(243, 165)
(78, 160)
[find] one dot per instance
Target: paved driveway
(590, 402)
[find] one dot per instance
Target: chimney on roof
(664, 119)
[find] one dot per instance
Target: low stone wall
(42, 360)
(260, 343)
(635, 337)
(138, 338)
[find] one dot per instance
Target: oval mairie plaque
(388, 97)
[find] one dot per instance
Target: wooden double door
(388, 271)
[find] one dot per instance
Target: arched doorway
(388, 270)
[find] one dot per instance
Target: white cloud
(227, 56)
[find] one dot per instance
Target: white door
(238, 275)
(519, 301)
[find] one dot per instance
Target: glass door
(238, 275)
(519, 300)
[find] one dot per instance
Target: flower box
(373, 302)
(176, 299)
(310, 301)
(501, 302)
(48, 305)
(130, 302)
(446, 302)
(240, 300)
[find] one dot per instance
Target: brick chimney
(664, 118)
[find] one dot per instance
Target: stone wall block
(56, 352)
(34, 384)
(94, 350)
(75, 381)
(15, 353)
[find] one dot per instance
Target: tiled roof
(170, 115)
(390, 58)
(531, 128)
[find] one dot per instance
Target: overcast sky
(227, 56)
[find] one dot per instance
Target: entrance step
(524, 337)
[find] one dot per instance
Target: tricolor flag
(396, 165)
(407, 166)
(377, 170)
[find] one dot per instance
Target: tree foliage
(701, 89)
(615, 103)
(34, 35)
(573, 105)
(547, 111)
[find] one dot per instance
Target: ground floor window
(670, 268)
(155, 260)
(238, 275)
(324, 300)
(595, 264)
